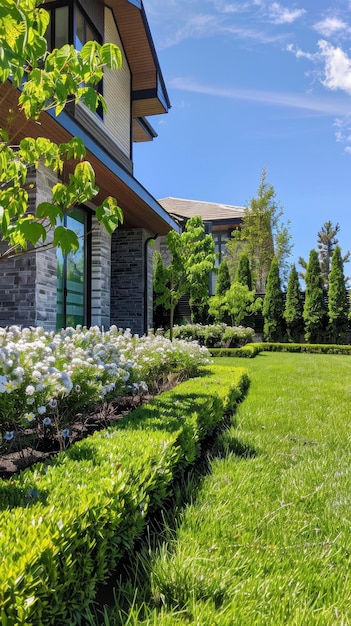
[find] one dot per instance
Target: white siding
(117, 93)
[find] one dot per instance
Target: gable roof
(209, 211)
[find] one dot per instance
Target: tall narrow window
(72, 276)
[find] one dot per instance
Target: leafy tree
(46, 80)
(243, 272)
(198, 250)
(337, 299)
(273, 305)
(326, 242)
(192, 257)
(262, 235)
(314, 312)
(293, 311)
(241, 304)
(223, 278)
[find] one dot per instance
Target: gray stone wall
(128, 279)
(28, 282)
(100, 275)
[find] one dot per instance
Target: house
(219, 219)
(109, 280)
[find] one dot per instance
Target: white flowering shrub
(46, 378)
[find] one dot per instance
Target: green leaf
(65, 239)
(32, 231)
(90, 98)
(110, 214)
(47, 210)
(111, 56)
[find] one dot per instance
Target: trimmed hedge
(247, 352)
(313, 348)
(66, 523)
(252, 350)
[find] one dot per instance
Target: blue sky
(254, 84)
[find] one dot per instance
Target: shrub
(215, 335)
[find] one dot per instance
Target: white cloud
(337, 67)
(282, 15)
(305, 102)
(330, 26)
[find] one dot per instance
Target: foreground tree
(314, 312)
(262, 235)
(273, 306)
(192, 258)
(338, 307)
(293, 311)
(47, 80)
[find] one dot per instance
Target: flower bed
(47, 378)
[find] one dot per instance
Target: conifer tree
(243, 272)
(337, 299)
(273, 307)
(223, 278)
(314, 312)
(293, 311)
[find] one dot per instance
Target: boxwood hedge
(66, 523)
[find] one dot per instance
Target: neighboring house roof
(209, 211)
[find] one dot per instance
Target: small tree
(337, 299)
(218, 304)
(241, 304)
(198, 252)
(293, 311)
(192, 257)
(273, 305)
(243, 272)
(314, 312)
(223, 278)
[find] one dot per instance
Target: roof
(209, 211)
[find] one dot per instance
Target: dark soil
(101, 417)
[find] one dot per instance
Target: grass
(266, 535)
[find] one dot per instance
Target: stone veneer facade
(130, 252)
(28, 283)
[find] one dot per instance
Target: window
(69, 24)
(73, 278)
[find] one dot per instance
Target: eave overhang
(140, 208)
(142, 130)
(149, 93)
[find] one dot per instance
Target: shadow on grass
(130, 587)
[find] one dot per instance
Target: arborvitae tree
(337, 299)
(223, 278)
(293, 311)
(273, 306)
(314, 312)
(243, 272)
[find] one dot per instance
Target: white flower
(29, 416)
(41, 410)
(30, 390)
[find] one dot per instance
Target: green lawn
(266, 537)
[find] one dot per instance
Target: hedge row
(252, 350)
(66, 523)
